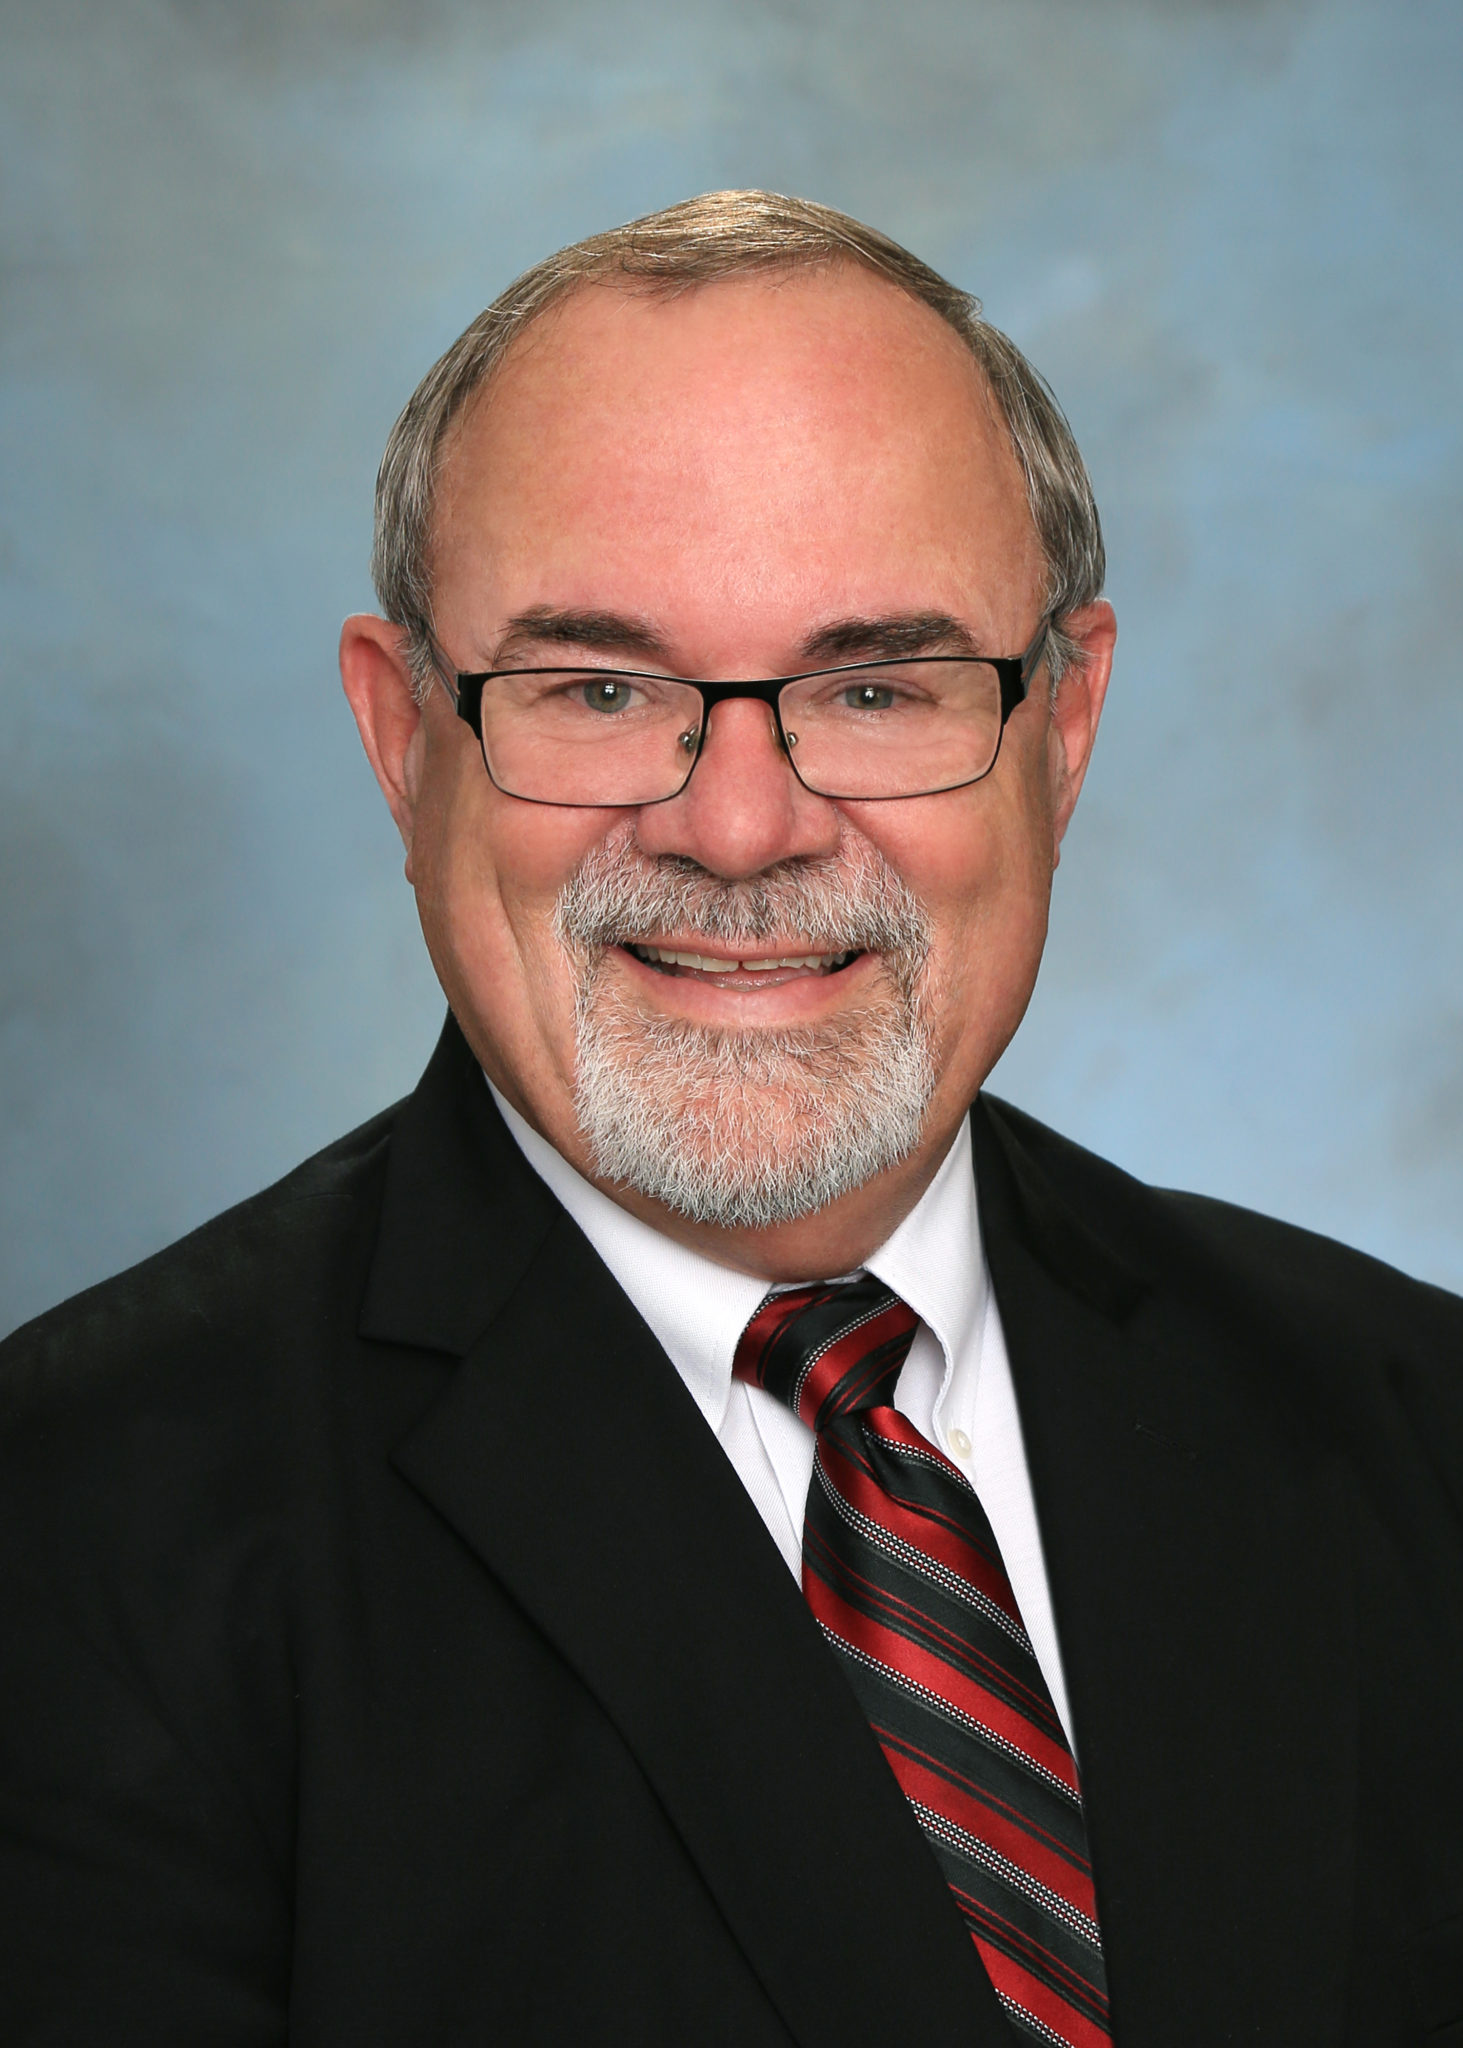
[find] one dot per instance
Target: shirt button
(960, 1443)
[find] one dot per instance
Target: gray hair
(720, 235)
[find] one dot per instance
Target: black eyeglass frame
(1014, 672)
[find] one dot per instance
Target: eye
(608, 693)
(868, 697)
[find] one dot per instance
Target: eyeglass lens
(601, 736)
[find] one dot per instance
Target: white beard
(748, 1128)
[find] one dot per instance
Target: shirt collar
(935, 1261)
(698, 1309)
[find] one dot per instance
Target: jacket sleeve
(146, 1753)
(138, 1900)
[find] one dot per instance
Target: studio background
(235, 234)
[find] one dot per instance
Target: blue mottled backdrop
(234, 235)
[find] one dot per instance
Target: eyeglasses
(602, 738)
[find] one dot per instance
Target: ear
(1077, 707)
(377, 681)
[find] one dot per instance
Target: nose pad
(698, 738)
(741, 808)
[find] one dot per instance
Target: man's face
(750, 479)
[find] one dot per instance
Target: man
(622, 1548)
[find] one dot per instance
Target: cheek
(489, 872)
(979, 860)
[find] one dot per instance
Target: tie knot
(827, 1351)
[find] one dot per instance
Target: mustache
(848, 901)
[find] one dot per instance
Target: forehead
(819, 435)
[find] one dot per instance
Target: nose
(743, 809)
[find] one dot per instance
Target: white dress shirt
(955, 1386)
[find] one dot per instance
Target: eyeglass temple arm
(1025, 670)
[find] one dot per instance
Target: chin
(749, 1129)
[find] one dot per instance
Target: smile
(673, 960)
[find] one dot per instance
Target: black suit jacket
(392, 1656)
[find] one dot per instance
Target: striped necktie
(904, 1575)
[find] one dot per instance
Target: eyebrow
(883, 638)
(546, 625)
(889, 637)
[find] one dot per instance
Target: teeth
(703, 964)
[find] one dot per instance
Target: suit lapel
(568, 1455)
(1197, 1564)
(461, 1213)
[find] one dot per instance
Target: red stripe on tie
(993, 1928)
(933, 1674)
(853, 1366)
(940, 1537)
(998, 1827)
(1029, 1993)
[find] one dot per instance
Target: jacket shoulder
(1348, 1347)
(1174, 1237)
(219, 1304)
